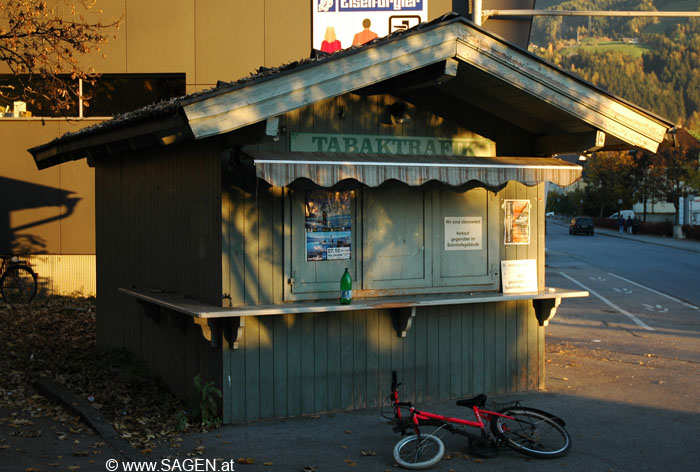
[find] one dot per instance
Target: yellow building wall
(52, 212)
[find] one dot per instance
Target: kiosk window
(323, 241)
(394, 239)
(395, 236)
(465, 242)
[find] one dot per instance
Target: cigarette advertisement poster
(519, 276)
(340, 24)
(517, 221)
(463, 233)
(328, 225)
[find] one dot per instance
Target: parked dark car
(581, 224)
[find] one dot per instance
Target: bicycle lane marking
(634, 318)
(656, 292)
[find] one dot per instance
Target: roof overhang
(449, 67)
(329, 169)
(558, 109)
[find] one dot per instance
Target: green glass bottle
(345, 288)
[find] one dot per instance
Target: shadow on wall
(19, 195)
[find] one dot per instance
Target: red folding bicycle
(529, 431)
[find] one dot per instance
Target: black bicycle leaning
(18, 282)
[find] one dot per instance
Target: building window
(112, 94)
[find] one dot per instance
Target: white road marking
(611, 304)
(622, 290)
(655, 291)
(657, 308)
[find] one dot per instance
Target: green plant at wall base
(182, 423)
(203, 403)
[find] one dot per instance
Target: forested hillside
(655, 63)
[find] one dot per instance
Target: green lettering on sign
(373, 144)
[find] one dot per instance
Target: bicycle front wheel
(18, 284)
(532, 432)
(419, 451)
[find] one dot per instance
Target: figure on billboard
(330, 43)
(365, 35)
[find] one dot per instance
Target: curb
(88, 414)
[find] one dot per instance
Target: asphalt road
(643, 296)
(669, 270)
(622, 368)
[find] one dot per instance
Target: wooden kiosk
(226, 218)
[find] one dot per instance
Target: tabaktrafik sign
(340, 24)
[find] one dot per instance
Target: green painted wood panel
(294, 362)
(419, 331)
(267, 366)
(372, 339)
(335, 339)
(432, 354)
(280, 372)
(141, 202)
(463, 267)
(385, 358)
(308, 380)
(346, 371)
(450, 352)
(320, 344)
(444, 351)
(360, 357)
(394, 239)
(489, 348)
(251, 383)
(410, 355)
(457, 363)
(476, 381)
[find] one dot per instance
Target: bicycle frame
(433, 419)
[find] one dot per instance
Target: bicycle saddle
(479, 400)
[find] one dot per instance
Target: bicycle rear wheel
(532, 432)
(419, 451)
(18, 284)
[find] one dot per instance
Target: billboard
(340, 24)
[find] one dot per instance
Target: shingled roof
(550, 97)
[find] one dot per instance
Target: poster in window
(328, 225)
(517, 221)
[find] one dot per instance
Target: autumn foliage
(43, 44)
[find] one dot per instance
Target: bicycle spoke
(533, 432)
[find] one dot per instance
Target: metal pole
(80, 98)
(477, 12)
(527, 13)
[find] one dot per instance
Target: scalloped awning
(281, 169)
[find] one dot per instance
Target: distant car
(550, 214)
(625, 214)
(581, 224)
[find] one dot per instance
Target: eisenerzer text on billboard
(380, 5)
